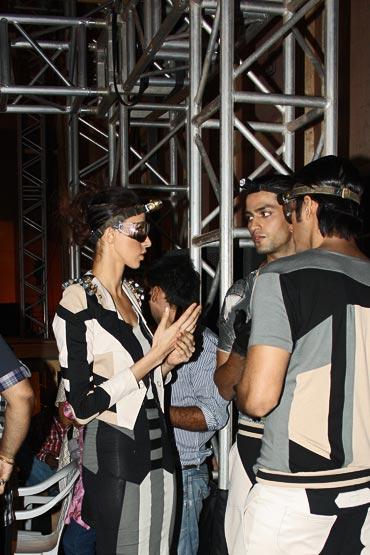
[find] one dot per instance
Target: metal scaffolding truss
(250, 35)
(180, 99)
(32, 225)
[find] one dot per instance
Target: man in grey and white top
(272, 237)
(196, 409)
(307, 371)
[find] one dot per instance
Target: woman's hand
(165, 340)
(168, 334)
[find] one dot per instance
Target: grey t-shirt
(316, 306)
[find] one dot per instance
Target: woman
(113, 374)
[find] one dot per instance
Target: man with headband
(272, 236)
(307, 372)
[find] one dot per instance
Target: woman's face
(130, 250)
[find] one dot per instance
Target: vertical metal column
(226, 181)
(127, 48)
(331, 75)
(73, 188)
(194, 160)
(289, 88)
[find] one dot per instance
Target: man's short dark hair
(336, 215)
(175, 274)
(273, 183)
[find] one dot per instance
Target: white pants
(239, 486)
(280, 521)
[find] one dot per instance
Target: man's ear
(154, 293)
(308, 208)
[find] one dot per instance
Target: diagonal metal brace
(155, 44)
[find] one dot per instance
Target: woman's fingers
(163, 324)
(191, 322)
(188, 319)
(167, 335)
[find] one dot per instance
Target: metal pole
(21, 269)
(208, 56)
(127, 60)
(227, 178)
(112, 118)
(4, 62)
(73, 186)
(283, 99)
(289, 89)
(52, 91)
(44, 262)
(194, 173)
(331, 76)
(51, 20)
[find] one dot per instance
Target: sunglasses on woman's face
(138, 231)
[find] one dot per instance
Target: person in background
(272, 237)
(307, 372)
(196, 409)
(78, 537)
(46, 461)
(16, 405)
(113, 371)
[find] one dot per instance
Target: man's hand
(51, 461)
(5, 472)
(184, 349)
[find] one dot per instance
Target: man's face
(158, 304)
(270, 232)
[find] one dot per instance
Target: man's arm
(270, 345)
(261, 384)
(20, 400)
(208, 411)
(228, 373)
(188, 418)
(234, 329)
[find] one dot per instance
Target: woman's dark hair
(336, 215)
(91, 209)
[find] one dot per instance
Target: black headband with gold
(301, 190)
